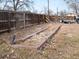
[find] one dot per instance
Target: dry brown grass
(65, 45)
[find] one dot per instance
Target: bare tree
(73, 4)
(45, 11)
(48, 8)
(62, 13)
(16, 4)
(75, 7)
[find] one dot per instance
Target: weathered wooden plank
(29, 36)
(38, 46)
(48, 37)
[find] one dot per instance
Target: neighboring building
(71, 14)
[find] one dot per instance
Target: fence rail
(9, 19)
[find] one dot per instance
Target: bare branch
(16, 4)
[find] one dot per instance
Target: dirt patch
(65, 45)
(22, 32)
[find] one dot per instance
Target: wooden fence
(9, 19)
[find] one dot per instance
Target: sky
(39, 5)
(54, 4)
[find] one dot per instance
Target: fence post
(9, 22)
(13, 36)
(24, 20)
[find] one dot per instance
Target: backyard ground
(64, 45)
(22, 32)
